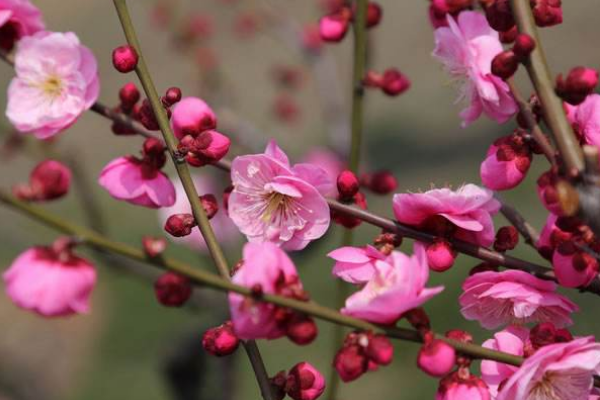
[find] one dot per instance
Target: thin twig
(187, 182)
(528, 232)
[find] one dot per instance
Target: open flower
(397, 285)
(50, 281)
(18, 18)
(276, 202)
(501, 298)
(561, 371)
(466, 212)
(224, 229)
(586, 119)
(57, 80)
(467, 47)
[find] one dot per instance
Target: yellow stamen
(52, 86)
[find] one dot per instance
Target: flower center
(52, 86)
(544, 390)
(276, 202)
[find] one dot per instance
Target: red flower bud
(172, 96)
(505, 64)
(129, 96)
(380, 350)
(440, 255)
(304, 382)
(350, 363)
(147, 117)
(49, 180)
(580, 83)
(172, 290)
(507, 238)
(346, 220)
(499, 15)
(301, 330)
(124, 58)
(333, 27)
(542, 335)
(524, 45)
(547, 12)
(220, 341)
(180, 225)
(374, 14)
(347, 184)
(153, 247)
(380, 182)
(210, 205)
(207, 148)
(394, 82)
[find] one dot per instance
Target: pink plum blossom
(129, 179)
(506, 164)
(585, 119)
(500, 298)
(512, 341)
(267, 266)
(56, 81)
(18, 18)
(277, 202)
(356, 264)
(49, 282)
(467, 47)
(560, 371)
(326, 159)
(191, 116)
(397, 285)
(225, 231)
(468, 210)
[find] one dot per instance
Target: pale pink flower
(561, 371)
(512, 341)
(467, 47)
(56, 81)
(276, 202)
(18, 18)
(225, 231)
(129, 179)
(356, 264)
(50, 283)
(326, 159)
(586, 119)
(267, 266)
(469, 210)
(397, 285)
(501, 298)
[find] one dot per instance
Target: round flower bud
(172, 96)
(172, 290)
(374, 14)
(347, 184)
(394, 82)
(304, 382)
(440, 255)
(380, 350)
(380, 182)
(350, 363)
(153, 247)
(301, 330)
(180, 225)
(579, 83)
(436, 358)
(505, 64)
(333, 27)
(191, 116)
(524, 45)
(210, 205)
(129, 96)
(507, 238)
(125, 58)
(220, 341)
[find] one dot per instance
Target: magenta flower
(506, 164)
(130, 179)
(467, 47)
(512, 340)
(356, 264)
(276, 202)
(57, 80)
(561, 371)
(50, 282)
(225, 231)
(268, 267)
(466, 212)
(585, 119)
(397, 285)
(501, 298)
(18, 18)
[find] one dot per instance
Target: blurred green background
(125, 346)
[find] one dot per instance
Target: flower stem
(552, 106)
(183, 171)
(206, 279)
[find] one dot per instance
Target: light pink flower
(129, 179)
(469, 209)
(586, 119)
(49, 283)
(397, 286)
(561, 371)
(265, 265)
(512, 341)
(467, 47)
(276, 202)
(325, 159)
(501, 298)
(225, 231)
(18, 18)
(57, 80)
(356, 264)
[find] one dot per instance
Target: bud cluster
(362, 352)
